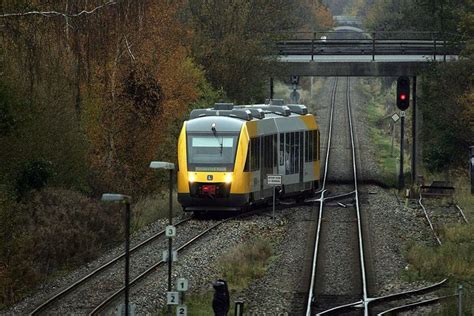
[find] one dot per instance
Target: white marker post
(182, 286)
(274, 180)
(172, 298)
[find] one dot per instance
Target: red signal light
(403, 93)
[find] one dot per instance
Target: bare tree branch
(49, 14)
(129, 48)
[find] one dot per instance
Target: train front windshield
(209, 152)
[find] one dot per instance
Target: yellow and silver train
(226, 152)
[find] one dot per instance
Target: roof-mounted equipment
(243, 114)
(298, 109)
(274, 102)
(223, 106)
(282, 110)
(257, 113)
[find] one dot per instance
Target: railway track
(99, 291)
(108, 277)
(104, 304)
(338, 277)
(339, 219)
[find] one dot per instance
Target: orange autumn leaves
(139, 96)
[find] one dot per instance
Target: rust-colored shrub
(52, 230)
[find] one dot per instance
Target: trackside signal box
(403, 93)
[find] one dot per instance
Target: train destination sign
(273, 179)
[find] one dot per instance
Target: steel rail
(365, 299)
(321, 203)
(388, 297)
(428, 219)
(415, 304)
(462, 214)
(335, 197)
(152, 268)
(341, 308)
(92, 274)
(356, 190)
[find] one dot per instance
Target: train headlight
(192, 178)
(228, 178)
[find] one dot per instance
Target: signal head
(403, 93)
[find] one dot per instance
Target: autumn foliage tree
(234, 41)
(90, 93)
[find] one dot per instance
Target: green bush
(447, 130)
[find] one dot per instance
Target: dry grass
(246, 263)
(455, 257)
(240, 267)
(152, 207)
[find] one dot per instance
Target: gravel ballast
(389, 225)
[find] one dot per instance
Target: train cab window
(210, 152)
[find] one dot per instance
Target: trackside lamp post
(114, 197)
(168, 166)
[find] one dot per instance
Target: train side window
(287, 153)
(264, 154)
(269, 151)
(315, 145)
(318, 152)
(307, 146)
(275, 150)
(292, 152)
(259, 145)
(282, 149)
(311, 145)
(297, 152)
(253, 151)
